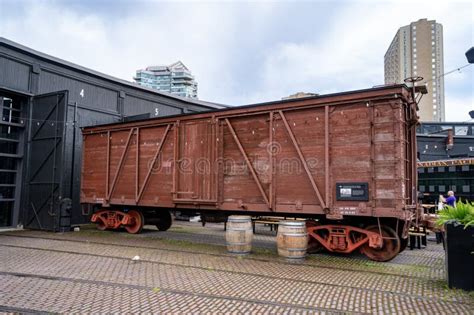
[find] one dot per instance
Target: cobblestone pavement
(187, 269)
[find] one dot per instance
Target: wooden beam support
(326, 154)
(270, 148)
(137, 163)
(249, 164)
(107, 175)
(155, 157)
(119, 167)
(302, 159)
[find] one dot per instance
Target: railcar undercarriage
(381, 241)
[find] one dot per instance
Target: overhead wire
(446, 73)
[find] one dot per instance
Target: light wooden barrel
(292, 239)
(239, 234)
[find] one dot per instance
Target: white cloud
(244, 52)
(349, 53)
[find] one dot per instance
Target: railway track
(127, 259)
(218, 277)
(146, 289)
(21, 310)
(292, 275)
(364, 268)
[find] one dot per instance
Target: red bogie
(344, 238)
(132, 221)
(379, 243)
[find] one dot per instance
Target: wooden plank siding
(281, 157)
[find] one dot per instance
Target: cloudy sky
(245, 52)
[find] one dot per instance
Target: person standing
(451, 200)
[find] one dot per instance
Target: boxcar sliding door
(196, 159)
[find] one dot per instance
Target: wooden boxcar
(347, 160)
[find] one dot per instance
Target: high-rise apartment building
(417, 50)
(175, 79)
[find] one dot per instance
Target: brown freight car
(347, 160)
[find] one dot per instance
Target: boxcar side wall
(352, 156)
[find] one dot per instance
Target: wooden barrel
(292, 239)
(239, 234)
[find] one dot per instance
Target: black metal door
(46, 158)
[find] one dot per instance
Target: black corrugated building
(45, 101)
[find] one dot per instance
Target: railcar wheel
(390, 247)
(100, 223)
(136, 225)
(101, 226)
(314, 246)
(165, 220)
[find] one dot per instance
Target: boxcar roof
(396, 90)
(37, 54)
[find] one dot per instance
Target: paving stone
(93, 272)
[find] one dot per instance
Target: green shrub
(463, 213)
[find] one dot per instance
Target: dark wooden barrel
(239, 234)
(292, 239)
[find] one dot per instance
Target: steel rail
(238, 272)
(192, 252)
(167, 290)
